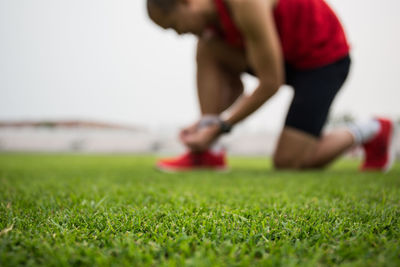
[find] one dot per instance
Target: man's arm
(256, 22)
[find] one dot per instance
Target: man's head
(184, 16)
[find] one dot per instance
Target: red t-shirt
(310, 33)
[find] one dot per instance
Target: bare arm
(256, 22)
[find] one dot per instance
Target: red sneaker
(379, 152)
(190, 161)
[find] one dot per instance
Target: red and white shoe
(191, 161)
(379, 152)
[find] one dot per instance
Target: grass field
(117, 210)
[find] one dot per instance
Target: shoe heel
(392, 147)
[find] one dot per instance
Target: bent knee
(209, 50)
(286, 162)
(204, 50)
(294, 163)
(215, 51)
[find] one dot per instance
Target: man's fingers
(194, 146)
(199, 139)
(195, 141)
(191, 141)
(185, 133)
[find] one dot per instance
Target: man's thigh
(314, 93)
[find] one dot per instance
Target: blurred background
(99, 76)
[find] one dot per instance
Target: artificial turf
(85, 210)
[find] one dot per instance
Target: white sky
(104, 60)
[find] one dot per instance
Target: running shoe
(190, 161)
(379, 151)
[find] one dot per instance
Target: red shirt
(310, 33)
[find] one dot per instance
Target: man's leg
(219, 85)
(218, 76)
(299, 150)
(301, 144)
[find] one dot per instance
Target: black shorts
(314, 92)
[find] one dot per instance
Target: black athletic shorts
(314, 91)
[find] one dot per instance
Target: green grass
(117, 210)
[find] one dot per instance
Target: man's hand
(188, 130)
(199, 138)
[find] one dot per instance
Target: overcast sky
(105, 60)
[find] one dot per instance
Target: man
(296, 42)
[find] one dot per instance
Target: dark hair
(164, 5)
